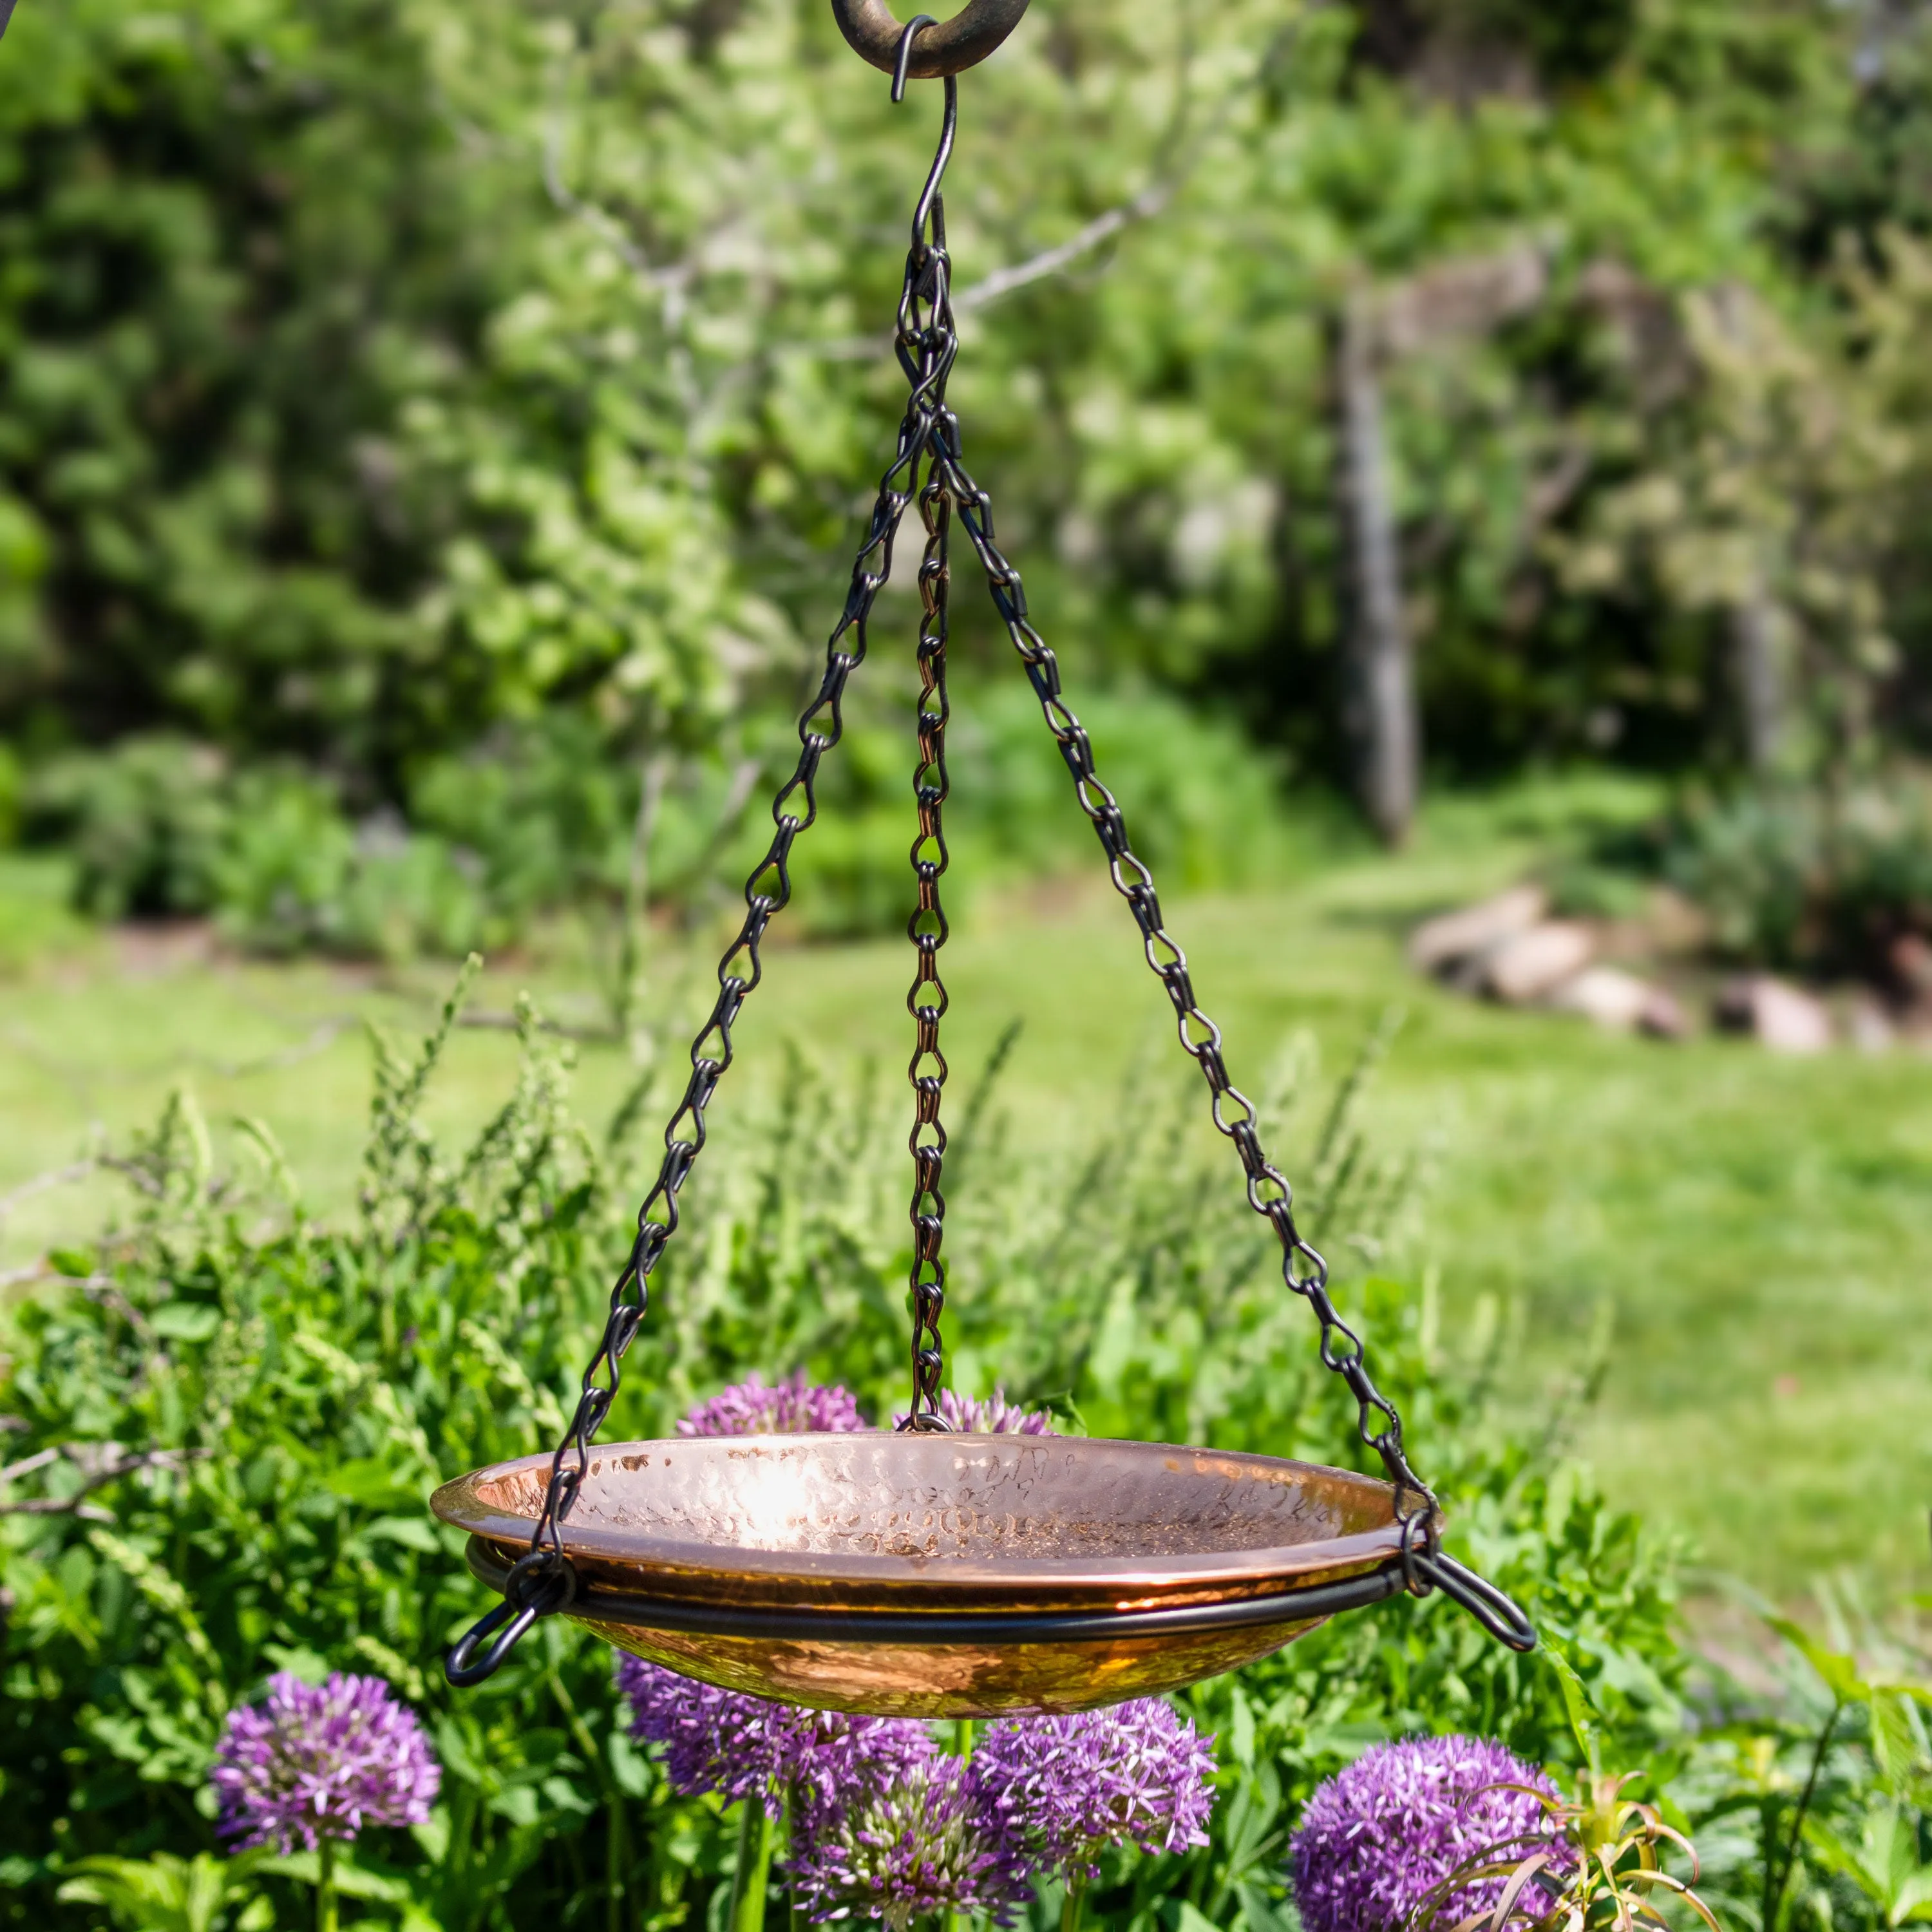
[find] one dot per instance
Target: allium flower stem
(616, 1835)
(325, 1885)
(962, 1745)
(616, 1856)
(751, 1880)
(1070, 1906)
(794, 1823)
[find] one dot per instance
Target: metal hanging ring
(950, 47)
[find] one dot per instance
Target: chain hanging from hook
(926, 999)
(926, 348)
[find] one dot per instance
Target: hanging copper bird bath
(945, 1576)
(920, 1572)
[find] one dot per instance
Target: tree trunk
(1758, 676)
(1756, 623)
(1379, 677)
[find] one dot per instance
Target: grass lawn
(1763, 1226)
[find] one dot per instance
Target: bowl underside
(945, 1576)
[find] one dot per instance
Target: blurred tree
(280, 436)
(237, 236)
(375, 374)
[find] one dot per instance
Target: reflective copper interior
(853, 1525)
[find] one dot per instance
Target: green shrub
(1205, 805)
(407, 895)
(158, 827)
(284, 861)
(292, 875)
(544, 816)
(1802, 876)
(547, 810)
(145, 822)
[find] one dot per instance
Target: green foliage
(376, 376)
(1792, 876)
(160, 826)
(167, 1894)
(235, 1413)
(1205, 807)
(219, 294)
(545, 815)
(1814, 1805)
(537, 818)
(297, 1396)
(1885, 1863)
(250, 348)
(145, 824)
(240, 1411)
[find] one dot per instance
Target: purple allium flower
(929, 1842)
(322, 1761)
(1072, 1786)
(992, 1415)
(793, 1407)
(1377, 1838)
(744, 1747)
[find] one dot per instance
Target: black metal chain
(926, 352)
(926, 998)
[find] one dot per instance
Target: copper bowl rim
(700, 1569)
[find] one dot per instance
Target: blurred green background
(433, 433)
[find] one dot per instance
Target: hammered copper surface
(952, 1680)
(956, 1522)
(890, 1523)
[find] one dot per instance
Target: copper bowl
(933, 1575)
